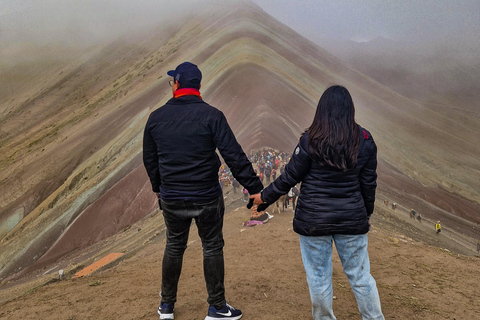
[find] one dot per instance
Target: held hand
(250, 203)
(262, 207)
(254, 199)
(257, 199)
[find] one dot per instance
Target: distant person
(245, 195)
(235, 185)
(336, 162)
(419, 217)
(413, 213)
(438, 227)
(394, 206)
(179, 153)
(267, 174)
(478, 247)
(386, 203)
(292, 196)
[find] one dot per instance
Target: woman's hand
(254, 199)
(257, 198)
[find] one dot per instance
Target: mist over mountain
(80, 24)
(71, 123)
(444, 75)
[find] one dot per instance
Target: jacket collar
(185, 100)
(187, 92)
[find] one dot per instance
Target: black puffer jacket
(331, 201)
(179, 146)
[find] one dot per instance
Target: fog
(80, 23)
(453, 24)
(372, 35)
(422, 22)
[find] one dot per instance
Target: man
(179, 154)
(235, 185)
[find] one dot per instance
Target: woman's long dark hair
(334, 136)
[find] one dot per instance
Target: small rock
(392, 239)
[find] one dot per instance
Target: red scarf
(187, 92)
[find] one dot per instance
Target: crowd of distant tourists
(268, 163)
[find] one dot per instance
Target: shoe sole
(231, 318)
(168, 316)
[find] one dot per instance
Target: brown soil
(264, 274)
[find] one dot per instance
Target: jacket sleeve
(150, 158)
(234, 156)
(368, 178)
(294, 172)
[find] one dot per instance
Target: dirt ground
(264, 275)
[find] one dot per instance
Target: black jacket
(331, 201)
(179, 146)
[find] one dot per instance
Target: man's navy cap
(187, 74)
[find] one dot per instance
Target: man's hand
(262, 207)
(250, 203)
(159, 201)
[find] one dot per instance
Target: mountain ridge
(86, 152)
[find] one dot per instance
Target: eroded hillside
(71, 144)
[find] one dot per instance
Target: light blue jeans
(317, 260)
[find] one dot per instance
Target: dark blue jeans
(209, 220)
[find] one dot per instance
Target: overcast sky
(363, 20)
(440, 21)
(452, 23)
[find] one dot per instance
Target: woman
(336, 163)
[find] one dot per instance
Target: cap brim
(170, 73)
